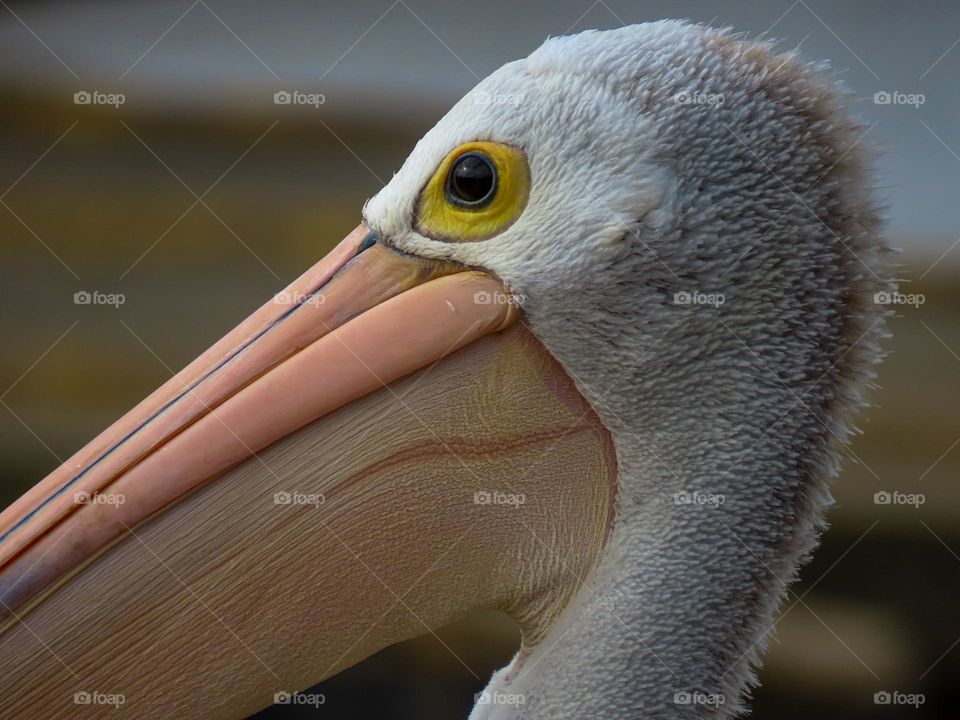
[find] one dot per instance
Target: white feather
(642, 188)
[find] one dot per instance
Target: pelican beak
(361, 318)
(171, 532)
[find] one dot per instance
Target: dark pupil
(473, 180)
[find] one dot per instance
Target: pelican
(589, 359)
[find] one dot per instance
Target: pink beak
(362, 317)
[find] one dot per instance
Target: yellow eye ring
(478, 191)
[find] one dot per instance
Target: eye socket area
(478, 190)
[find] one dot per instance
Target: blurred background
(143, 157)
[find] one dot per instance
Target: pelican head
(589, 360)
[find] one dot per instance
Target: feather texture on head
(700, 250)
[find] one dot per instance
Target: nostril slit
(369, 241)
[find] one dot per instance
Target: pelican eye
(478, 190)
(472, 181)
